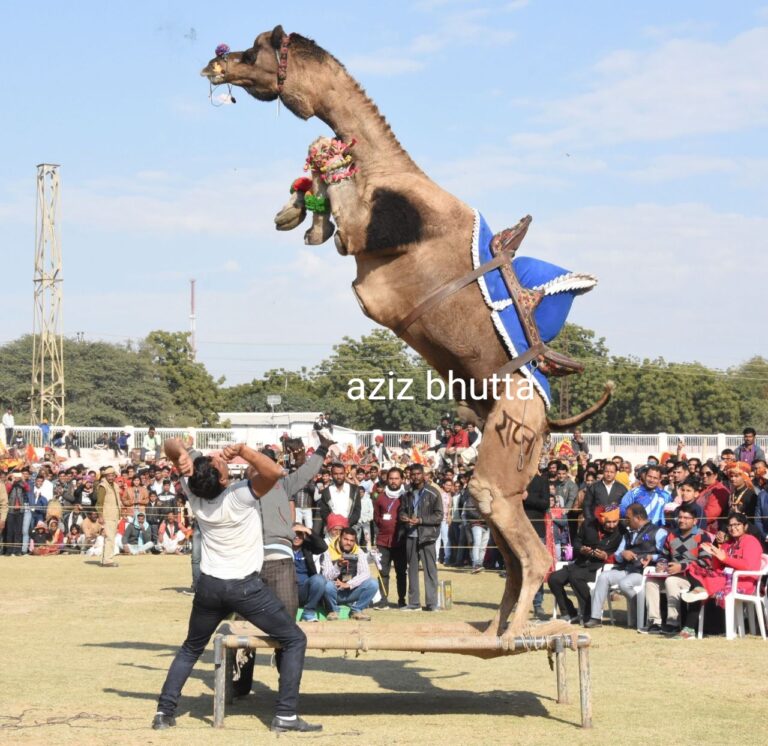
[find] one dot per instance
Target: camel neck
(346, 108)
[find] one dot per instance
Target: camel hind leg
(506, 463)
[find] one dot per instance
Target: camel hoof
(319, 233)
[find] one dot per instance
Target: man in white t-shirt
(231, 558)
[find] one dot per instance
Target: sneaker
(592, 623)
(686, 634)
(539, 613)
(650, 629)
(410, 607)
(381, 606)
(695, 594)
(476, 570)
(669, 629)
(431, 608)
(359, 616)
(572, 619)
(281, 725)
(332, 616)
(308, 618)
(161, 721)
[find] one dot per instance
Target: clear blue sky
(634, 133)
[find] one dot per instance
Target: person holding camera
(347, 575)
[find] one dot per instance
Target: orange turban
(743, 468)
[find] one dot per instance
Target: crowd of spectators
(409, 508)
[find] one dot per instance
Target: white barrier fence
(634, 447)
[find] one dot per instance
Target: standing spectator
(72, 443)
(648, 494)
(442, 433)
(749, 451)
(108, 505)
(340, 498)
(742, 498)
(565, 488)
(713, 498)
(18, 509)
(606, 491)
(151, 444)
(578, 443)
(38, 502)
(122, 442)
(9, 423)
(379, 451)
(3, 507)
(536, 505)
(421, 512)
(45, 431)
(443, 538)
(480, 534)
(389, 540)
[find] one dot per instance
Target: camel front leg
(322, 227)
(506, 463)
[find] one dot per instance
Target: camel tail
(577, 419)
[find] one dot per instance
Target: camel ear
(277, 37)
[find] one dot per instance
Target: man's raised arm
(175, 451)
(267, 472)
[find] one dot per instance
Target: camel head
(260, 72)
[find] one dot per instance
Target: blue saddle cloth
(559, 286)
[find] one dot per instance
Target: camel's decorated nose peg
(222, 50)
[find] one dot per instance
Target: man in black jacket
(339, 497)
(310, 584)
(420, 515)
(605, 491)
(536, 505)
(595, 543)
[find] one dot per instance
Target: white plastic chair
(735, 601)
(639, 600)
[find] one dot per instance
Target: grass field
(85, 651)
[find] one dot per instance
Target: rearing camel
(410, 238)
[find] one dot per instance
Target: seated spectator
(75, 517)
(740, 552)
(112, 445)
(137, 538)
(458, 441)
(595, 543)
(638, 548)
(310, 583)
(57, 439)
(681, 549)
(92, 526)
(102, 442)
(151, 444)
(648, 494)
(348, 578)
(73, 540)
(46, 539)
(18, 441)
(171, 536)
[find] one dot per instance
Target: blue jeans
(249, 597)
(26, 526)
(480, 536)
(197, 552)
(356, 598)
(311, 593)
(444, 540)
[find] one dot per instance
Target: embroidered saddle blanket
(559, 286)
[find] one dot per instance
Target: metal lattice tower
(47, 397)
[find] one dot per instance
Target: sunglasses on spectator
(707, 473)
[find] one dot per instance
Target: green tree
(194, 392)
(106, 384)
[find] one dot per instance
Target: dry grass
(84, 653)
